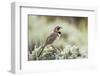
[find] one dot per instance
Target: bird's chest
(57, 38)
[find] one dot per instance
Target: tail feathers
(42, 48)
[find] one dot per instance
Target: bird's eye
(58, 28)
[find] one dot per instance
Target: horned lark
(51, 38)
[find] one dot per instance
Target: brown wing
(51, 38)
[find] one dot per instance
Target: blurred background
(72, 44)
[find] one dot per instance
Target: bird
(51, 38)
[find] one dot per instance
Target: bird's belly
(56, 40)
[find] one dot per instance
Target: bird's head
(57, 28)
